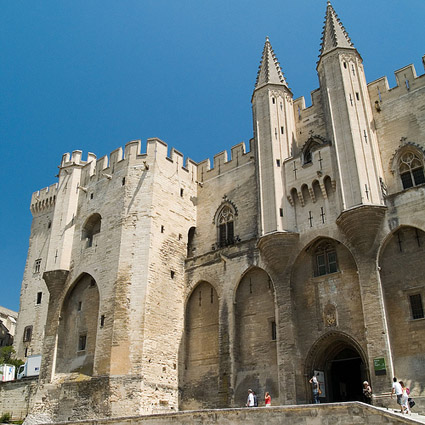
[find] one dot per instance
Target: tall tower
(274, 132)
(350, 119)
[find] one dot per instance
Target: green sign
(379, 365)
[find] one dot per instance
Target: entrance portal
(345, 375)
(343, 364)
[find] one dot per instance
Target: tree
(7, 356)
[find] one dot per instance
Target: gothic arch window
(325, 259)
(91, 228)
(314, 143)
(225, 222)
(411, 169)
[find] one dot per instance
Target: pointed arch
(255, 351)
(225, 222)
(408, 164)
(201, 348)
(77, 331)
(91, 227)
(313, 143)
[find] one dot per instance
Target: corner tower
(350, 119)
(274, 132)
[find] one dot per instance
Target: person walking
(316, 388)
(398, 391)
(367, 393)
(405, 408)
(267, 400)
(250, 400)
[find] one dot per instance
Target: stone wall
(335, 414)
(16, 397)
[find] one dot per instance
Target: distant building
(7, 326)
(154, 283)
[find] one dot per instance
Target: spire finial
(269, 71)
(334, 34)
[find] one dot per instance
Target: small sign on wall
(379, 366)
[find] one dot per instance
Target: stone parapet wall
(16, 397)
(338, 413)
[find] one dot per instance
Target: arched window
(411, 169)
(91, 228)
(225, 226)
(325, 259)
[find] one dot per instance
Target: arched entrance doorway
(342, 367)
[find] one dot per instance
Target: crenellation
(116, 156)
(237, 152)
(44, 198)
(156, 148)
(132, 150)
(406, 80)
(219, 160)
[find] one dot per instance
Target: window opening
(162, 229)
(326, 259)
(39, 296)
(102, 320)
(281, 130)
(91, 228)
(411, 170)
(273, 100)
(91, 195)
(79, 305)
(278, 162)
(27, 333)
(273, 328)
(82, 341)
(172, 273)
(416, 306)
(357, 96)
(281, 212)
(225, 227)
(37, 265)
(181, 192)
(123, 181)
(212, 295)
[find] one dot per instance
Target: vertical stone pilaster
(277, 251)
(55, 281)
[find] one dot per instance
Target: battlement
(406, 81)
(43, 199)
(221, 164)
(299, 103)
(105, 167)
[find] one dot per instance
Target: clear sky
(93, 75)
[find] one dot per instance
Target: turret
(349, 116)
(62, 233)
(274, 132)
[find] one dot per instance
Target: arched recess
(77, 329)
(201, 363)
(326, 298)
(91, 228)
(255, 355)
(342, 366)
(402, 271)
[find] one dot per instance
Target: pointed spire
(334, 34)
(269, 71)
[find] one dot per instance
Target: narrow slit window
(416, 306)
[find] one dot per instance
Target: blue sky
(93, 75)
